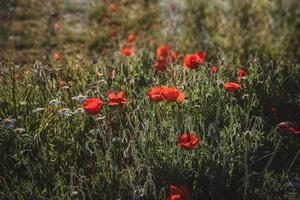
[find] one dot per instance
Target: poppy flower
(163, 51)
(231, 87)
(274, 111)
(61, 83)
(188, 141)
(57, 26)
(155, 94)
(57, 57)
(287, 127)
(152, 42)
(241, 75)
(92, 105)
(192, 61)
(112, 7)
(178, 193)
(172, 94)
(173, 56)
(127, 51)
(116, 99)
(160, 65)
(213, 70)
(131, 38)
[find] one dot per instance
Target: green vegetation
(52, 149)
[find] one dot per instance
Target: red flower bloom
(155, 94)
(57, 26)
(180, 193)
(192, 61)
(173, 56)
(112, 7)
(116, 99)
(131, 38)
(127, 51)
(172, 94)
(241, 75)
(213, 70)
(274, 111)
(287, 127)
(92, 105)
(57, 57)
(163, 51)
(231, 87)
(152, 42)
(160, 65)
(188, 141)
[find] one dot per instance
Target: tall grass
(52, 149)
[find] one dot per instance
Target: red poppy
(127, 51)
(113, 7)
(231, 87)
(116, 99)
(61, 83)
(213, 70)
(160, 65)
(274, 111)
(152, 42)
(57, 26)
(241, 75)
(57, 57)
(163, 51)
(173, 56)
(92, 105)
(287, 127)
(192, 61)
(155, 94)
(172, 94)
(188, 141)
(131, 38)
(181, 193)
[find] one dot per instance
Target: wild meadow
(150, 100)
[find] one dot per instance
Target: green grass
(131, 150)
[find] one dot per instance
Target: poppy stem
(246, 171)
(294, 160)
(274, 153)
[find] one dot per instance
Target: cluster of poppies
(128, 50)
(93, 105)
(231, 86)
(169, 94)
(164, 55)
(192, 61)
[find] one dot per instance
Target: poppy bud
(247, 136)
(245, 96)
(208, 95)
(75, 194)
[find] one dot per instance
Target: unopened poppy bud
(233, 100)
(75, 194)
(247, 135)
(208, 95)
(116, 140)
(245, 96)
(220, 85)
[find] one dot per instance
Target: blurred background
(35, 29)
